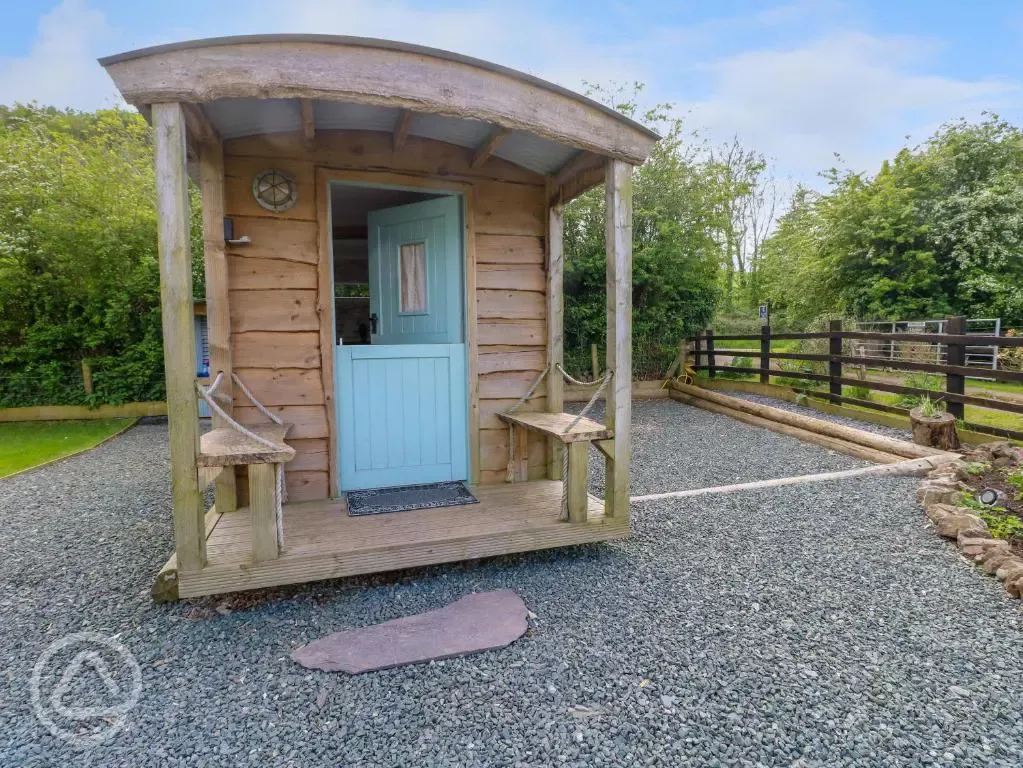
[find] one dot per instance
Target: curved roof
(242, 81)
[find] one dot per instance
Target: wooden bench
(576, 436)
(226, 447)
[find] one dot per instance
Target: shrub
(919, 381)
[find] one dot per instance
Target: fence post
(594, 361)
(835, 365)
(765, 354)
(955, 383)
(86, 376)
(709, 341)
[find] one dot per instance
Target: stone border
(939, 494)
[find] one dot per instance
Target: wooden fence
(707, 352)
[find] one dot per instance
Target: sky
(799, 81)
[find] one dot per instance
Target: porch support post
(178, 333)
(618, 196)
(218, 311)
(555, 329)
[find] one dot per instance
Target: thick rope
(279, 498)
(531, 390)
(240, 428)
(212, 388)
(252, 398)
(575, 381)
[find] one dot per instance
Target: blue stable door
(403, 399)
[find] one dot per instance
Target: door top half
(416, 273)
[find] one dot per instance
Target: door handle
(373, 323)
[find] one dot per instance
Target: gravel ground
(676, 447)
(818, 625)
(879, 429)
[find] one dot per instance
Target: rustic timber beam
(200, 129)
(402, 128)
(218, 310)
(488, 147)
(308, 122)
(555, 329)
(618, 408)
(581, 173)
(380, 73)
(178, 332)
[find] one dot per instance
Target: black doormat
(428, 496)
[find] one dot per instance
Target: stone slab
(482, 621)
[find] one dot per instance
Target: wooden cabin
(383, 254)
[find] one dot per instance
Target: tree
(938, 230)
(675, 255)
(748, 199)
(79, 276)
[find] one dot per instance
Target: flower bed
(990, 534)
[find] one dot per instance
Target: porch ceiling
(235, 118)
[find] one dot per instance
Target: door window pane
(412, 260)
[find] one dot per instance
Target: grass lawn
(25, 444)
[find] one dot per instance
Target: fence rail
(954, 341)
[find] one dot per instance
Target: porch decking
(322, 542)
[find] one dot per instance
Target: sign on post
(765, 313)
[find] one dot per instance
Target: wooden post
(708, 340)
(555, 329)
(696, 350)
(577, 492)
(765, 354)
(835, 365)
(218, 310)
(594, 361)
(954, 382)
(263, 507)
(618, 238)
(178, 333)
(86, 377)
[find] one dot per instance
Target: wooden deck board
(321, 541)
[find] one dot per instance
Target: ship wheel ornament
(275, 190)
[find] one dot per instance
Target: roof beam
(487, 148)
(582, 172)
(308, 122)
(402, 128)
(200, 129)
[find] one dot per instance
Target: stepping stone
(482, 621)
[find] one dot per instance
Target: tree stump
(935, 431)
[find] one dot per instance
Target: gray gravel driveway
(818, 625)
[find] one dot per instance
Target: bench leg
(522, 459)
(263, 506)
(518, 459)
(577, 481)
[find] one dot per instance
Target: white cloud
(798, 81)
(61, 69)
(852, 93)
